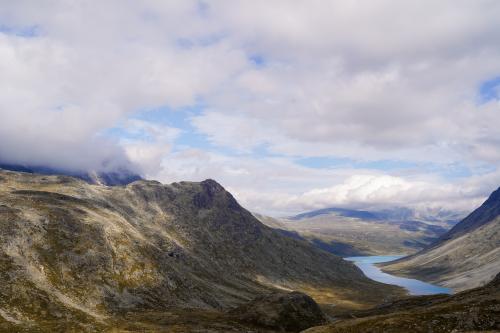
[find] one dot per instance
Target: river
(415, 287)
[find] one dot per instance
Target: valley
(236, 166)
(360, 233)
(186, 257)
(415, 287)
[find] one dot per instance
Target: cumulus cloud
(366, 81)
(278, 186)
(147, 143)
(86, 67)
(371, 76)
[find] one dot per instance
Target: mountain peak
(494, 198)
(212, 187)
(484, 214)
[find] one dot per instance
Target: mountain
(361, 214)
(437, 216)
(120, 176)
(466, 256)
(81, 257)
(469, 311)
(349, 232)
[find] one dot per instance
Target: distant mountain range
(350, 232)
(360, 214)
(388, 214)
(111, 178)
(466, 256)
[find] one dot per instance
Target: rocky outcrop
(286, 312)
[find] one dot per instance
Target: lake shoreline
(368, 264)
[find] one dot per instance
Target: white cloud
(279, 187)
(92, 65)
(148, 143)
(368, 75)
(378, 80)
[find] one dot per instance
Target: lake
(415, 287)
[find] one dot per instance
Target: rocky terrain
(150, 257)
(467, 256)
(469, 311)
(347, 232)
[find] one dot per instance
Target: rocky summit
(85, 257)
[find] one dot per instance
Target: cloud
(279, 187)
(272, 82)
(366, 75)
(89, 67)
(146, 143)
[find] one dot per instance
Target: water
(415, 287)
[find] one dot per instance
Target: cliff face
(71, 251)
(465, 257)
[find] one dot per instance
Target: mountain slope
(465, 257)
(469, 311)
(80, 253)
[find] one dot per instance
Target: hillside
(467, 256)
(348, 232)
(469, 311)
(74, 254)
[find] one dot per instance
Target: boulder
(286, 312)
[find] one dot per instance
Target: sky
(291, 105)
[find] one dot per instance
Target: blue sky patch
(28, 32)
(328, 162)
(489, 90)
(257, 60)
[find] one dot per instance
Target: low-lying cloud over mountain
(293, 106)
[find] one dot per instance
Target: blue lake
(415, 287)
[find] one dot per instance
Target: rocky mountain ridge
(73, 254)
